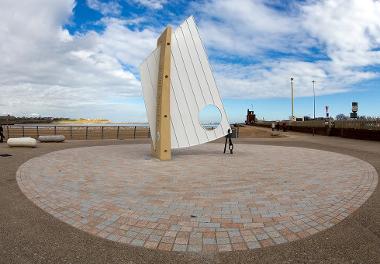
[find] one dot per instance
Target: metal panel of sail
(192, 88)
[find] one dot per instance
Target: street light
(314, 105)
(314, 97)
(292, 88)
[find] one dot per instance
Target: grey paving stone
(144, 199)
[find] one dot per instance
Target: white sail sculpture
(192, 87)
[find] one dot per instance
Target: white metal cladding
(192, 87)
(149, 80)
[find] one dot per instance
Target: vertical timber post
(162, 146)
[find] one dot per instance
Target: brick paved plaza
(202, 200)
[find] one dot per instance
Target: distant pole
(314, 106)
(292, 88)
(314, 97)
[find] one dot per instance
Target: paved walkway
(202, 200)
(30, 235)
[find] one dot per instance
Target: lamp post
(314, 105)
(314, 97)
(292, 88)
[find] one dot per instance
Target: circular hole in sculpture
(210, 117)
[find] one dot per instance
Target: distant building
(251, 117)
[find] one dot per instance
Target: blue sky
(80, 58)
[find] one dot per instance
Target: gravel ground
(29, 235)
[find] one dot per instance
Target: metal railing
(346, 124)
(358, 124)
(83, 132)
(78, 132)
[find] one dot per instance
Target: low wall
(356, 133)
(368, 130)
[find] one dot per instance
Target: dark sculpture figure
(229, 139)
(1, 134)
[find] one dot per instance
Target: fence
(360, 129)
(358, 124)
(79, 132)
(348, 124)
(84, 132)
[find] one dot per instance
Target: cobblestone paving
(202, 200)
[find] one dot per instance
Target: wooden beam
(162, 146)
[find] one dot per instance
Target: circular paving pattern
(202, 200)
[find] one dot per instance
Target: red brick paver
(202, 200)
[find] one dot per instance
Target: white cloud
(347, 25)
(44, 69)
(346, 32)
(106, 8)
(154, 4)
(128, 46)
(350, 29)
(272, 79)
(245, 27)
